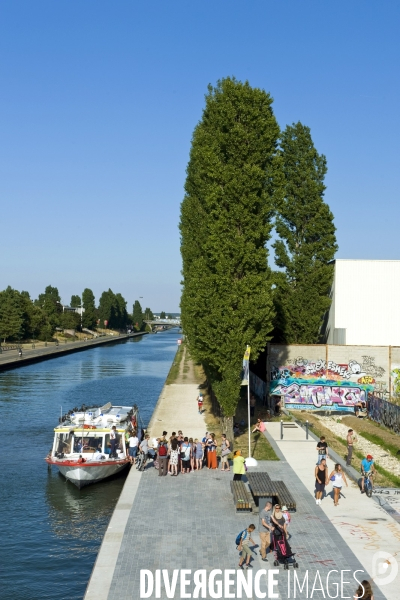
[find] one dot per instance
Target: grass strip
(375, 439)
(174, 370)
(260, 448)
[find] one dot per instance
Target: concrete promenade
(9, 359)
(189, 521)
(362, 523)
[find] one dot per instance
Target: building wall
(333, 377)
(365, 302)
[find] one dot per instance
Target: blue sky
(99, 100)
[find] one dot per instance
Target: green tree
(70, 320)
(11, 314)
(75, 301)
(233, 177)
(162, 315)
(137, 315)
(122, 315)
(89, 317)
(49, 302)
(307, 241)
(148, 314)
(106, 310)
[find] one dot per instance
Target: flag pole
(248, 412)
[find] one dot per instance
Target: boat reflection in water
(81, 515)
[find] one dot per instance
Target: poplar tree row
(245, 177)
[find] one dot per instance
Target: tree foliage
(75, 301)
(162, 315)
(89, 317)
(232, 181)
(307, 241)
(137, 315)
(11, 314)
(112, 308)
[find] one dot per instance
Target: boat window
(63, 443)
(107, 443)
(88, 443)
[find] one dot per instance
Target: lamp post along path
(250, 461)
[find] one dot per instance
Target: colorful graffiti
(396, 382)
(321, 394)
(325, 383)
(384, 412)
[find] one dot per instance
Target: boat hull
(82, 475)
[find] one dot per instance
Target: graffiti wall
(328, 377)
(384, 412)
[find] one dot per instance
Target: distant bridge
(160, 324)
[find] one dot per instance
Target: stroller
(282, 549)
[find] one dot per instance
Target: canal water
(50, 531)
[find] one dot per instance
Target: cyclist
(367, 466)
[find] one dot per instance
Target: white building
(365, 307)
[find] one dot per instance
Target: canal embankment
(176, 409)
(11, 360)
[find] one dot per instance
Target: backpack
(162, 451)
(239, 537)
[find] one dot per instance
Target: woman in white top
(337, 477)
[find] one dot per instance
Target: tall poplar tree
(137, 315)
(225, 223)
(307, 241)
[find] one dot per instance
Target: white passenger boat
(81, 447)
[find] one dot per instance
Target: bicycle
(367, 484)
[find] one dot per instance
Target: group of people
(181, 454)
(337, 477)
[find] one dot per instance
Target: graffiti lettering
(366, 379)
(318, 395)
(339, 369)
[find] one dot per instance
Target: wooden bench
(284, 496)
(262, 486)
(241, 497)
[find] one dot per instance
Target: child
(200, 403)
(286, 516)
(245, 552)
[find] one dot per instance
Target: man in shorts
(367, 466)
(244, 546)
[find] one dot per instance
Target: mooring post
(307, 430)
(281, 429)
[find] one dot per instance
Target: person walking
(364, 591)
(225, 452)
(322, 449)
(321, 480)
(173, 457)
(350, 443)
(200, 403)
(133, 447)
(163, 456)
(337, 477)
(238, 466)
(244, 546)
(264, 530)
(278, 520)
(212, 452)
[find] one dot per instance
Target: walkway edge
(100, 580)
